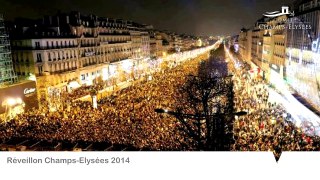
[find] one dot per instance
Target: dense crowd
(267, 127)
(128, 117)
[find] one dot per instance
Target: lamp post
(93, 94)
(199, 120)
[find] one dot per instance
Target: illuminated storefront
(18, 98)
(276, 76)
(302, 57)
(304, 76)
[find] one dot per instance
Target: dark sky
(198, 17)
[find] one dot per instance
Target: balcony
(90, 45)
(89, 64)
(42, 47)
(114, 34)
(117, 42)
(65, 71)
(118, 60)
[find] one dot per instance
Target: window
(83, 77)
(37, 45)
(39, 59)
(49, 56)
(47, 44)
(40, 69)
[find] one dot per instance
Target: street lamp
(200, 119)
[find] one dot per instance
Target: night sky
(198, 17)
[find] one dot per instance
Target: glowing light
(11, 102)
(105, 74)
(112, 69)
(285, 115)
(32, 77)
(74, 85)
(127, 65)
(19, 101)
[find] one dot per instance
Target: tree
(205, 105)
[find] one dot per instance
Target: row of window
(102, 23)
(114, 39)
(51, 44)
(279, 55)
(108, 50)
(65, 66)
(279, 43)
(59, 55)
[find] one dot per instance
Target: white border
(168, 166)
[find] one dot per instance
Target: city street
(128, 119)
(221, 78)
(301, 116)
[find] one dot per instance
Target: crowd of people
(267, 127)
(128, 117)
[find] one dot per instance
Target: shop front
(18, 98)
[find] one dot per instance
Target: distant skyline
(196, 17)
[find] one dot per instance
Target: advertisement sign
(25, 91)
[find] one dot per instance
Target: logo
(29, 91)
(286, 20)
(285, 11)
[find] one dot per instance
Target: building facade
(257, 49)
(245, 44)
(285, 50)
(273, 57)
(302, 51)
(67, 49)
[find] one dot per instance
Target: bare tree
(206, 104)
